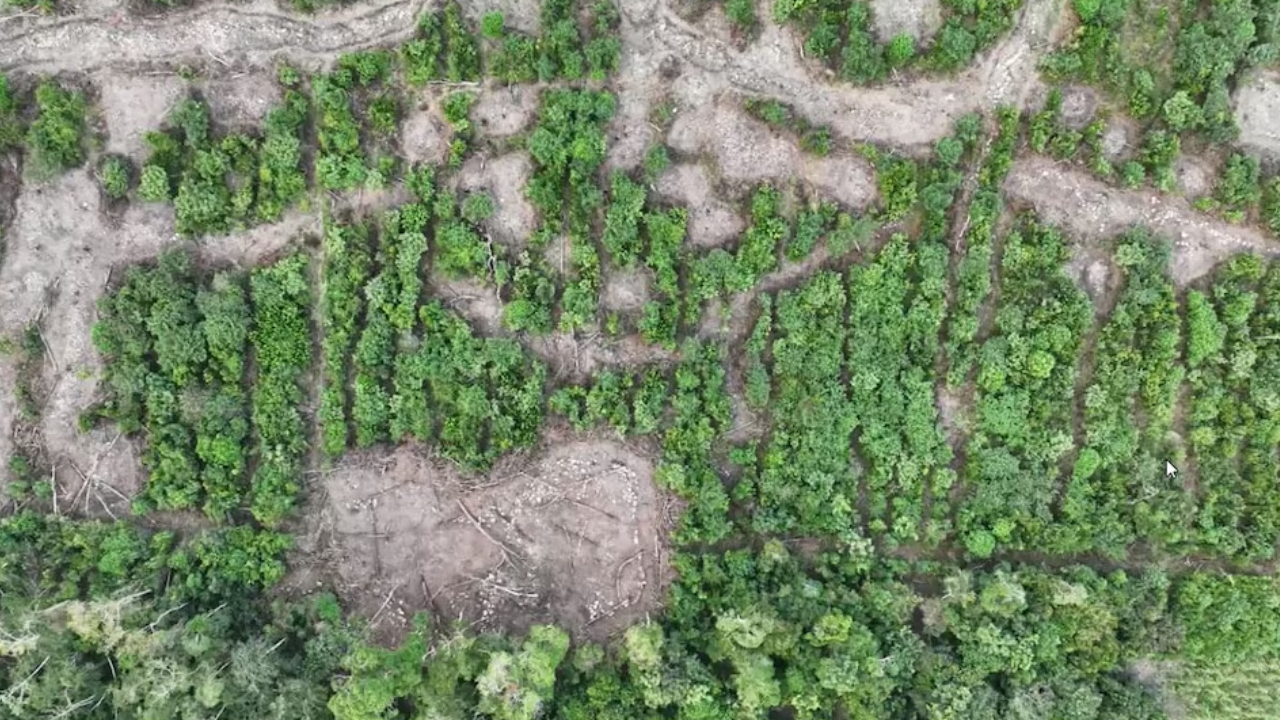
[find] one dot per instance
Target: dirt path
(254, 33)
(911, 114)
(1092, 211)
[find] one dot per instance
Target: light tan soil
(424, 136)
(1092, 211)
(503, 112)
(572, 534)
(712, 222)
(504, 179)
(919, 19)
(253, 34)
(1257, 107)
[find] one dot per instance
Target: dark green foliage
(841, 33)
(356, 152)
(345, 271)
(1118, 492)
(150, 332)
(568, 146)
(896, 178)
(1177, 61)
(807, 484)
(1239, 190)
(461, 249)
(10, 123)
(1270, 209)
(492, 25)
(457, 106)
(741, 14)
(629, 402)
(665, 232)
(422, 56)
(154, 184)
(621, 237)
(1232, 426)
(487, 393)
(281, 339)
(812, 224)
(575, 43)
(973, 271)
(115, 175)
(223, 183)
(56, 137)
(533, 294)
(1025, 384)
(1160, 151)
(701, 411)
(897, 308)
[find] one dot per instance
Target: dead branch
(617, 577)
(506, 550)
(603, 512)
(374, 620)
(503, 588)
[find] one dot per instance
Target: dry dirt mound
(572, 537)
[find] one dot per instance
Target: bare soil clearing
(712, 222)
(919, 19)
(1257, 107)
(571, 535)
(58, 256)
(1092, 211)
(504, 179)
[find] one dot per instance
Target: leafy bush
(281, 340)
(153, 186)
(10, 123)
(1239, 188)
(55, 140)
(1025, 382)
(115, 176)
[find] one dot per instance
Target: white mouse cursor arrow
(1169, 469)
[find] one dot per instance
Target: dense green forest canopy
(924, 469)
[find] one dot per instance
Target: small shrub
(741, 13)
(492, 25)
(114, 176)
(10, 125)
(900, 51)
(55, 140)
(477, 208)
(153, 186)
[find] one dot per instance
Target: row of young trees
(176, 345)
(218, 183)
(397, 366)
(841, 34)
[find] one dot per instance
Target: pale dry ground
(573, 534)
(61, 250)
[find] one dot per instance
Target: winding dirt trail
(1093, 212)
(910, 114)
(254, 34)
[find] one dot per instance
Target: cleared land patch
(573, 536)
